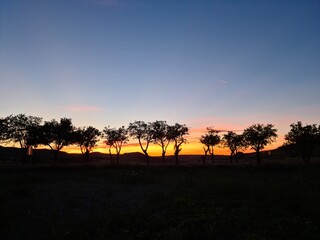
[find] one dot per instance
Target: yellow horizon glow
(192, 148)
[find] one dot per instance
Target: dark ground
(139, 202)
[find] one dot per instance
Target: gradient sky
(227, 63)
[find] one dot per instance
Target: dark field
(269, 202)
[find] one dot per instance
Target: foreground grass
(274, 202)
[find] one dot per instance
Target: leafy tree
(2, 130)
(142, 132)
(87, 138)
(209, 140)
(115, 138)
(176, 134)
(258, 136)
(160, 136)
(17, 129)
(234, 142)
(303, 139)
(57, 135)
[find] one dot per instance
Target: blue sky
(203, 63)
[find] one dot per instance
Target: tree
(115, 138)
(57, 135)
(176, 134)
(258, 136)
(87, 138)
(143, 132)
(18, 129)
(160, 136)
(234, 142)
(303, 139)
(2, 130)
(209, 140)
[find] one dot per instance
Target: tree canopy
(303, 139)
(176, 134)
(210, 139)
(257, 136)
(143, 133)
(115, 137)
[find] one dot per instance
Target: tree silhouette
(176, 134)
(143, 132)
(160, 136)
(17, 130)
(258, 136)
(303, 139)
(209, 140)
(115, 138)
(234, 142)
(2, 129)
(57, 135)
(87, 138)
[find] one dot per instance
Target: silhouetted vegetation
(303, 139)
(234, 142)
(258, 136)
(210, 139)
(57, 135)
(160, 136)
(29, 133)
(142, 132)
(115, 138)
(176, 134)
(87, 138)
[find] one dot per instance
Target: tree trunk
(147, 157)
(118, 158)
(55, 157)
(176, 156)
(231, 158)
(163, 156)
(86, 156)
(204, 158)
(258, 158)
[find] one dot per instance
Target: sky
(222, 63)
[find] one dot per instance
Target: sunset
(168, 119)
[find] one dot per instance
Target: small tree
(115, 138)
(234, 142)
(2, 129)
(176, 134)
(303, 139)
(209, 140)
(17, 129)
(57, 135)
(258, 136)
(87, 138)
(143, 132)
(160, 136)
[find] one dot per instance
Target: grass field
(130, 202)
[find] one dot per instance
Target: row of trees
(29, 131)
(256, 136)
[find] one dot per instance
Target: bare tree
(176, 134)
(258, 136)
(160, 136)
(303, 139)
(142, 132)
(115, 138)
(210, 139)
